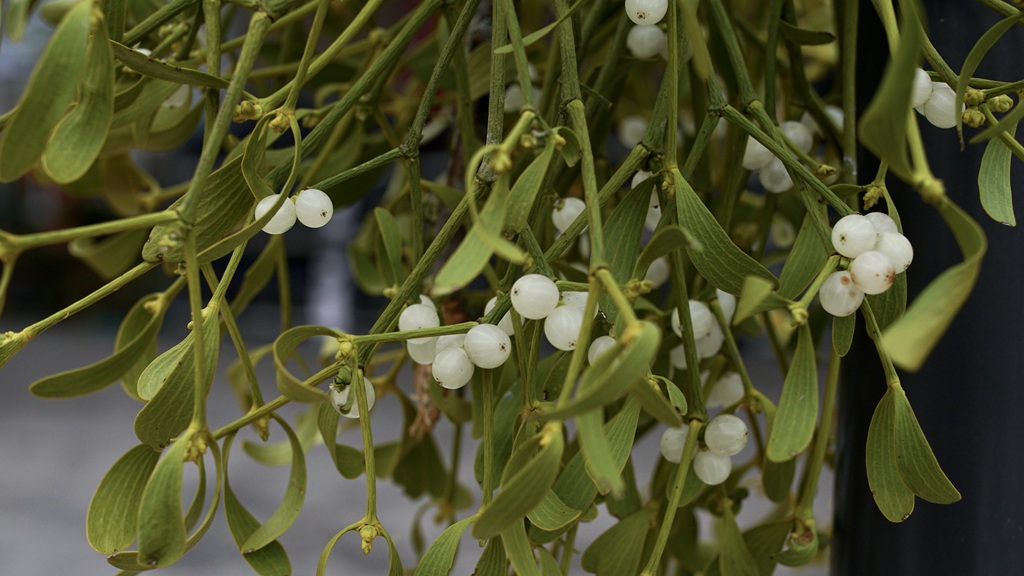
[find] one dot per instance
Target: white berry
(639, 177)
(726, 391)
(677, 357)
(646, 41)
(921, 89)
(726, 435)
(873, 272)
(313, 207)
(756, 156)
(631, 130)
(577, 300)
(727, 302)
(282, 221)
(700, 317)
(534, 296)
(506, 321)
(418, 317)
(452, 368)
(657, 272)
(646, 12)
(897, 248)
(712, 469)
(710, 343)
(513, 99)
(940, 109)
(839, 295)
(798, 134)
(424, 299)
(853, 235)
(599, 346)
(341, 397)
(673, 440)
(449, 341)
(774, 177)
(882, 222)
(566, 211)
(562, 327)
(487, 346)
(422, 352)
(653, 212)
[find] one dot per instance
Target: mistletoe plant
(645, 271)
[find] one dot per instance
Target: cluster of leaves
(376, 91)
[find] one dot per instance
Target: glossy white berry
(565, 212)
(653, 212)
(646, 41)
(940, 109)
(756, 156)
(657, 272)
(631, 130)
(897, 248)
(534, 296)
(839, 295)
(673, 440)
(726, 435)
(882, 222)
(853, 235)
(774, 177)
(726, 391)
(700, 317)
(422, 352)
(873, 272)
(599, 346)
(727, 302)
(513, 99)
(577, 300)
(921, 89)
(349, 408)
(798, 134)
(709, 344)
(452, 368)
(562, 327)
(832, 112)
(282, 221)
(677, 357)
(712, 469)
(646, 12)
(449, 341)
(418, 317)
(487, 346)
(313, 207)
(639, 177)
(506, 321)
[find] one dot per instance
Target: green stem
(195, 301)
(487, 388)
(307, 55)
(381, 338)
(809, 486)
(579, 353)
(875, 333)
(28, 241)
(673, 500)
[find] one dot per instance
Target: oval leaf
(161, 525)
(917, 464)
(524, 191)
(291, 504)
(797, 413)
(111, 523)
(440, 557)
(994, 182)
(892, 496)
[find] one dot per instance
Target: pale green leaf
(440, 557)
(757, 295)
(917, 464)
(797, 413)
(519, 550)
(291, 504)
(270, 560)
(618, 550)
(524, 192)
(994, 183)
(735, 558)
(113, 513)
(161, 525)
(149, 66)
(892, 496)
(806, 258)
(552, 513)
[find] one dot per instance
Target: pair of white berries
(311, 207)
(536, 297)
(770, 170)
(724, 436)
(936, 101)
(708, 335)
(879, 253)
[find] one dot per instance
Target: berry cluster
(312, 207)
(770, 170)
(936, 101)
(708, 334)
(724, 437)
(878, 251)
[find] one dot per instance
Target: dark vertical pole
(969, 396)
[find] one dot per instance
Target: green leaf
(440, 557)
(894, 499)
(842, 333)
(169, 411)
(392, 242)
(519, 551)
(655, 403)
(270, 560)
(917, 464)
(614, 372)
(622, 234)
(505, 414)
(548, 564)
(889, 306)
(538, 34)
(797, 413)
(973, 60)
(291, 504)
(110, 256)
(161, 525)
(524, 191)
(910, 339)
(994, 183)
(113, 513)
(280, 453)
(757, 296)
(665, 240)
(523, 488)
(883, 126)
(18, 13)
(777, 479)
(720, 261)
(50, 90)
(552, 514)
(571, 149)
(804, 36)
(619, 549)
(99, 375)
(135, 321)
(735, 558)
(803, 546)
(284, 346)
(78, 138)
(492, 562)
(420, 470)
(596, 453)
(805, 260)
(148, 66)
